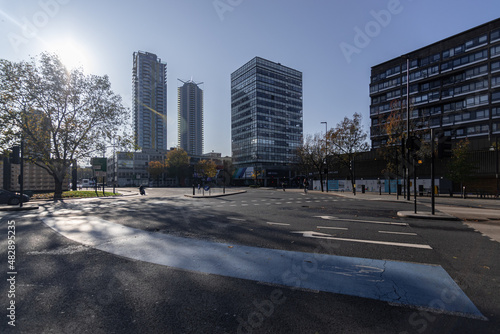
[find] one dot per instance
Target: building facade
(454, 87)
(190, 117)
(149, 78)
(131, 168)
(266, 114)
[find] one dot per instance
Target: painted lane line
(361, 221)
(332, 228)
(279, 224)
(238, 219)
(313, 234)
(401, 233)
(409, 284)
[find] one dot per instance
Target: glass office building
(266, 114)
(149, 76)
(190, 117)
(454, 87)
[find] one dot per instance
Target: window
(446, 66)
(477, 100)
(459, 49)
(495, 81)
(435, 110)
(495, 51)
(448, 53)
(476, 42)
(495, 34)
(495, 97)
(480, 114)
(495, 66)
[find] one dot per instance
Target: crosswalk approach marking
(410, 284)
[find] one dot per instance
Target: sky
(333, 43)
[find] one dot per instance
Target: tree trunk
(58, 184)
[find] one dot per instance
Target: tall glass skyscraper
(190, 117)
(266, 114)
(150, 101)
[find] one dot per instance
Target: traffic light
(444, 148)
(14, 156)
(413, 144)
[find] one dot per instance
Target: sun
(71, 54)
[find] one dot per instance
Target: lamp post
(408, 119)
(496, 162)
(326, 152)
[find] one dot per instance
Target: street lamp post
(326, 152)
(408, 120)
(496, 163)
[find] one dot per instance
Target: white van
(87, 183)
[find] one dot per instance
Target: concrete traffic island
(209, 195)
(426, 215)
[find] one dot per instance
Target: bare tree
(62, 116)
(311, 155)
(347, 140)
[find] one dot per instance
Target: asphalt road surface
(265, 261)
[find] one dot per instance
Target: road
(265, 261)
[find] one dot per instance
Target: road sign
(100, 164)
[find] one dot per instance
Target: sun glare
(72, 55)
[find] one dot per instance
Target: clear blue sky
(207, 40)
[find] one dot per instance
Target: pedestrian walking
(283, 185)
(306, 186)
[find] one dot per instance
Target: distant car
(8, 197)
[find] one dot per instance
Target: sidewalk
(446, 207)
(483, 215)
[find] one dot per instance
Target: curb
(426, 215)
(217, 195)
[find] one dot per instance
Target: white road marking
(281, 224)
(332, 228)
(238, 219)
(361, 221)
(402, 233)
(421, 285)
(313, 234)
